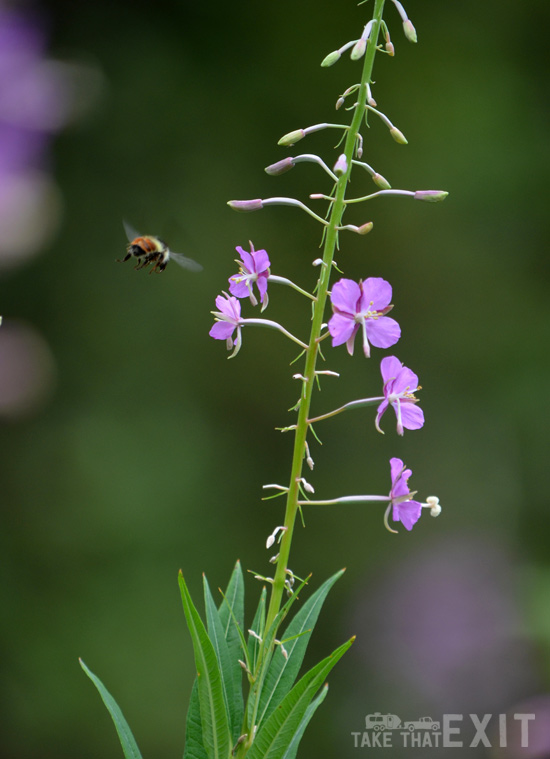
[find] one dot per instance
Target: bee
(152, 250)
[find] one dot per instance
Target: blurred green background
(141, 450)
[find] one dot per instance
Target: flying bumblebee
(147, 250)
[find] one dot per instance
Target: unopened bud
(341, 165)
(432, 196)
(390, 48)
(331, 59)
(358, 49)
(410, 31)
(381, 181)
(280, 167)
(246, 205)
(339, 103)
(292, 137)
(398, 136)
(364, 229)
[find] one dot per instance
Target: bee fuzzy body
(149, 250)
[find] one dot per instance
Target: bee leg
(126, 257)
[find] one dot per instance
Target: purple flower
(35, 102)
(403, 508)
(228, 319)
(253, 268)
(364, 305)
(400, 384)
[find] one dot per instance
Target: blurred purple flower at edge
(35, 102)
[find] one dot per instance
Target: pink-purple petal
(247, 259)
(222, 330)
(412, 416)
(341, 328)
(375, 291)
(262, 287)
(261, 260)
(396, 467)
(407, 512)
(383, 332)
(390, 368)
(382, 408)
(345, 295)
(238, 289)
(406, 381)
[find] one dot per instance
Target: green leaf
(262, 667)
(283, 671)
(215, 726)
(290, 753)
(277, 734)
(258, 626)
(231, 612)
(127, 741)
(194, 748)
(231, 690)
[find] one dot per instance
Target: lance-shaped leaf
(274, 739)
(283, 671)
(290, 753)
(194, 747)
(215, 724)
(231, 612)
(127, 741)
(227, 670)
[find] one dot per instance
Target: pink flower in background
(254, 269)
(363, 305)
(404, 509)
(36, 100)
(400, 384)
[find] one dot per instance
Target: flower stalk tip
(331, 59)
(431, 196)
(291, 138)
(398, 136)
(246, 205)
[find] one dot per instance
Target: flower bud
(341, 166)
(358, 49)
(390, 48)
(364, 229)
(246, 205)
(381, 181)
(398, 136)
(280, 167)
(432, 196)
(410, 31)
(331, 59)
(339, 103)
(292, 137)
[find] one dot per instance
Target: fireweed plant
(268, 719)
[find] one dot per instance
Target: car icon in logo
(424, 723)
(378, 721)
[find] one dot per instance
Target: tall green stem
(335, 221)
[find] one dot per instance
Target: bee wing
(131, 233)
(186, 263)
